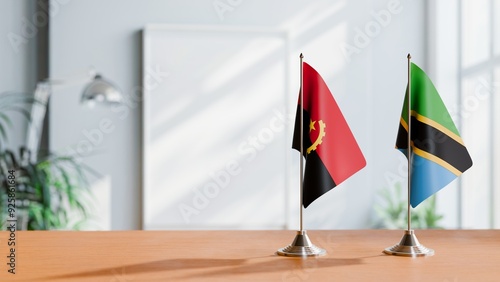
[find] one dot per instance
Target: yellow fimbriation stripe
(436, 125)
(404, 124)
(435, 159)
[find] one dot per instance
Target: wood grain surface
(461, 255)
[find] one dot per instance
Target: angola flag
(330, 150)
(438, 152)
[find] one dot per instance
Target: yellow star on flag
(311, 125)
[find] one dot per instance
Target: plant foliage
(393, 213)
(52, 191)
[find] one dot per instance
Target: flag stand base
(301, 247)
(409, 247)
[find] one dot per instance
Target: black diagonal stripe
(402, 138)
(437, 143)
(317, 179)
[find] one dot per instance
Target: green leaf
(55, 185)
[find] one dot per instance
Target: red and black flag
(332, 154)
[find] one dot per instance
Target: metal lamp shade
(101, 91)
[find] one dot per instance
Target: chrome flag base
(409, 247)
(301, 247)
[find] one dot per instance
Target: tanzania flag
(331, 152)
(438, 152)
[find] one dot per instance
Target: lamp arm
(98, 88)
(72, 80)
(38, 111)
(42, 94)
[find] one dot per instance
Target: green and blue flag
(438, 154)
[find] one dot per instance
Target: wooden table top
(353, 255)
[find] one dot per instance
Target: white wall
(368, 85)
(17, 57)
(467, 88)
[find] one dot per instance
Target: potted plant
(51, 192)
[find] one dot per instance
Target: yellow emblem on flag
(321, 134)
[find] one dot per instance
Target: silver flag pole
(301, 245)
(409, 245)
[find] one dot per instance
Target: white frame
(146, 105)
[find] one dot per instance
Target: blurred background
(201, 135)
